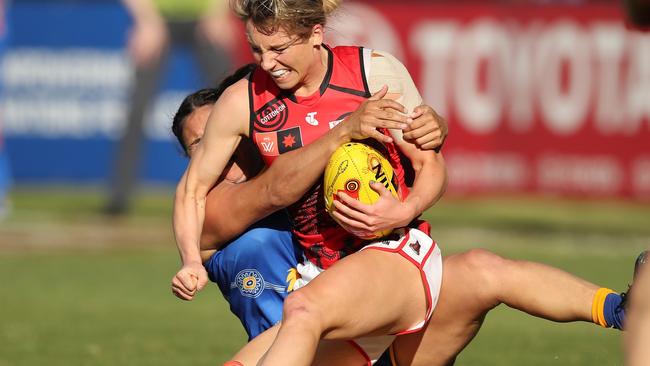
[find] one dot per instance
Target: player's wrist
(191, 257)
(411, 211)
(343, 132)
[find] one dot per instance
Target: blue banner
(66, 78)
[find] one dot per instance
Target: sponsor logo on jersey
(310, 118)
(267, 143)
(272, 116)
(289, 139)
(250, 282)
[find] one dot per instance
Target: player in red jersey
(407, 300)
(380, 302)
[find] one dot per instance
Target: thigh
(370, 292)
(456, 320)
(329, 352)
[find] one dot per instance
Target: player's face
(291, 60)
(193, 130)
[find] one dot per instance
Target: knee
(485, 266)
(302, 309)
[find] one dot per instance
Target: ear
(317, 34)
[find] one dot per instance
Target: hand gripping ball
(351, 169)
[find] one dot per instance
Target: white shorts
(419, 249)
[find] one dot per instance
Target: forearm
(187, 219)
(429, 185)
(301, 168)
(269, 191)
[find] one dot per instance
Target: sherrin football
(350, 170)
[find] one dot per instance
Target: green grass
(82, 289)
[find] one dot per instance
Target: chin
(287, 84)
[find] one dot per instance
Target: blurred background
(548, 104)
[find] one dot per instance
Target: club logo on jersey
(272, 116)
(310, 118)
(333, 124)
(267, 143)
(250, 283)
(416, 247)
(289, 139)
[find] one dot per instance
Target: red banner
(539, 98)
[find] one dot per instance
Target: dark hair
(204, 97)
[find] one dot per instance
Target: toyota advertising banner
(548, 98)
(540, 99)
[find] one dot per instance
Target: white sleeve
(382, 69)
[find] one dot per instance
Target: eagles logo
(250, 283)
(271, 117)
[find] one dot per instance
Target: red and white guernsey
(281, 122)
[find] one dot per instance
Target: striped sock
(606, 310)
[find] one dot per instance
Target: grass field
(81, 289)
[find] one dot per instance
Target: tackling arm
(205, 167)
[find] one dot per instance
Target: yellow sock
(598, 306)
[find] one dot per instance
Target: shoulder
(236, 94)
(382, 63)
(233, 103)
(229, 116)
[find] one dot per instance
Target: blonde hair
(295, 16)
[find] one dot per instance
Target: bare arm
(206, 165)
(430, 178)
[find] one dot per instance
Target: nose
(268, 61)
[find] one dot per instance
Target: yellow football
(350, 170)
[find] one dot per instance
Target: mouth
(279, 75)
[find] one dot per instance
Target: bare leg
(475, 282)
(328, 352)
(367, 293)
